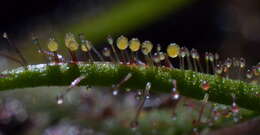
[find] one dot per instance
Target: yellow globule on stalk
(173, 50)
(70, 42)
(68, 38)
(73, 45)
(86, 46)
(122, 43)
(147, 47)
(134, 44)
(52, 45)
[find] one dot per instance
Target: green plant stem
(106, 74)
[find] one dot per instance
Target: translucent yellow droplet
(52, 45)
(147, 47)
(173, 50)
(73, 45)
(122, 43)
(134, 45)
(86, 46)
(68, 38)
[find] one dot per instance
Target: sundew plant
(127, 86)
(131, 67)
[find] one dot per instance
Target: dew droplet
(86, 46)
(148, 86)
(147, 47)
(205, 85)
(73, 45)
(182, 52)
(173, 50)
(162, 56)
(193, 53)
(122, 43)
(218, 69)
(60, 99)
(138, 95)
(242, 62)
(52, 45)
(175, 95)
(70, 42)
(228, 62)
(5, 35)
(147, 90)
(156, 58)
(134, 44)
(115, 92)
(211, 57)
(68, 38)
(249, 74)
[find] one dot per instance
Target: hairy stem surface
(106, 74)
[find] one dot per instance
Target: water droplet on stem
(60, 99)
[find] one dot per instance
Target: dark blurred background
(228, 27)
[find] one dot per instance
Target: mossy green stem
(107, 74)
